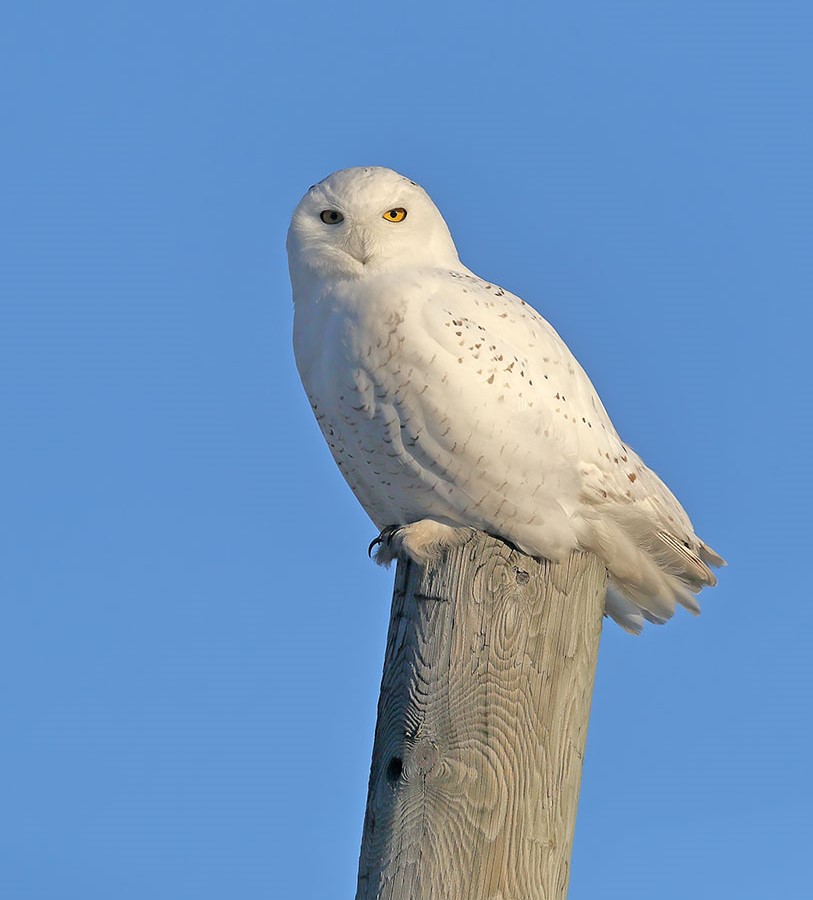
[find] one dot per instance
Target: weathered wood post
(482, 721)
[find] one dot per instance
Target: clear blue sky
(191, 633)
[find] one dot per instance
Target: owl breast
(364, 386)
(430, 414)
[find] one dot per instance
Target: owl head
(363, 221)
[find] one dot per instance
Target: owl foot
(383, 555)
(422, 542)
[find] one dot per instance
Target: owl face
(363, 221)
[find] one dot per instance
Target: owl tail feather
(709, 556)
(650, 571)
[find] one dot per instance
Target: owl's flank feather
(446, 399)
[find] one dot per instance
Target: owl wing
(509, 421)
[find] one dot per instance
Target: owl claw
(382, 539)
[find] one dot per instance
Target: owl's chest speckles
(364, 395)
(382, 343)
(364, 439)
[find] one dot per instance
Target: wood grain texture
(482, 721)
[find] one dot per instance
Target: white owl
(449, 403)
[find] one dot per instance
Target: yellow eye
(395, 215)
(331, 217)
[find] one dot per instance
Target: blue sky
(192, 634)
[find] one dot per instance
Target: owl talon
(383, 540)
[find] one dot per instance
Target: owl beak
(360, 245)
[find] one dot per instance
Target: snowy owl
(450, 404)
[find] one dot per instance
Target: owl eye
(331, 217)
(395, 215)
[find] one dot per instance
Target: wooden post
(482, 721)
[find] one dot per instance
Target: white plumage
(449, 402)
